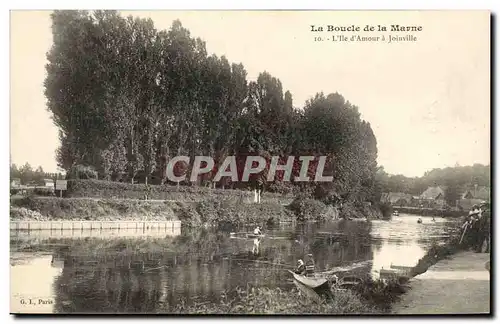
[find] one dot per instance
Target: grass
(267, 301)
(435, 254)
(90, 209)
(192, 214)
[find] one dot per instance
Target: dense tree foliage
(454, 179)
(127, 98)
(28, 175)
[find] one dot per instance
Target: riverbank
(265, 301)
(191, 214)
(459, 285)
(194, 206)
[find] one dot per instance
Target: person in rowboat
(309, 265)
(301, 268)
(257, 231)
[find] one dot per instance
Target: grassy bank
(50, 208)
(194, 206)
(192, 214)
(267, 301)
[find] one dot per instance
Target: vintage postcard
(250, 162)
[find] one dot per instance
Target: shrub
(93, 209)
(221, 213)
(44, 192)
(386, 210)
(191, 214)
(310, 209)
(81, 172)
(187, 214)
(274, 301)
(108, 189)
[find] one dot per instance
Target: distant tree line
(27, 175)
(454, 179)
(127, 97)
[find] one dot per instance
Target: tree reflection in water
(144, 275)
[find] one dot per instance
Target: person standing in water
(256, 246)
(256, 241)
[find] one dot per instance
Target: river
(151, 272)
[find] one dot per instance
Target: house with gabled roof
(433, 197)
(473, 196)
(396, 198)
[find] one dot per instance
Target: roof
(432, 193)
(477, 193)
(482, 193)
(468, 203)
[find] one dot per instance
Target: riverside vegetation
(153, 95)
(194, 206)
(156, 94)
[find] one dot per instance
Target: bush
(222, 213)
(386, 210)
(380, 293)
(191, 214)
(274, 301)
(108, 189)
(310, 209)
(44, 192)
(81, 172)
(93, 209)
(187, 214)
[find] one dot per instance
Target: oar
(265, 262)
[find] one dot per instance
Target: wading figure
(256, 246)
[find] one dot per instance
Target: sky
(427, 101)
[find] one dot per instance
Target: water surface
(154, 272)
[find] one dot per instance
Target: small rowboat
(312, 287)
(245, 235)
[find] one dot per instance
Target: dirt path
(460, 285)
